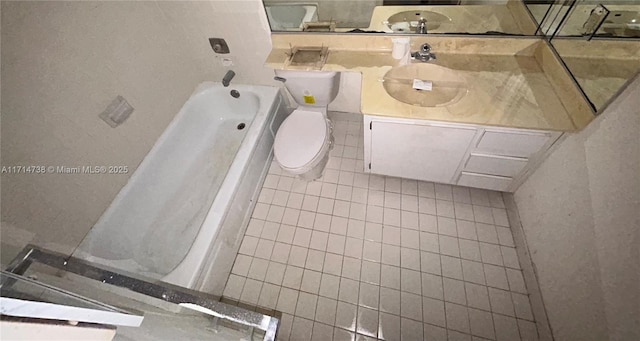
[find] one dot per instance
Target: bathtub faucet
(227, 78)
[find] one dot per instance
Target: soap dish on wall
(320, 26)
(307, 58)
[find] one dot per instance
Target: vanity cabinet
(418, 150)
(460, 154)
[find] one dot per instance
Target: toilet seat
(302, 141)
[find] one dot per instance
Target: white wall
(579, 212)
(63, 62)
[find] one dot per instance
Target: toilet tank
(311, 88)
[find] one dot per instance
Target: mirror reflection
(598, 43)
(495, 17)
(587, 18)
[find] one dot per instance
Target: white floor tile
(275, 273)
(449, 246)
(321, 332)
(410, 281)
(430, 263)
(241, 265)
(466, 229)
(473, 272)
(372, 251)
(332, 264)
(258, 269)
(346, 316)
(306, 306)
(367, 322)
(477, 296)
(351, 268)
(390, 255)
(315, 260)
(370, 272)
(251, 291)
(434, 311)
(432, 286)
(410, 330)
(432, 332)
(286, 233)
(506, 328)
(470, 249)
(457, 317)
(454, 291)
(389, 327)
(501, 302)
(487, 233)
(445, 208)
(390, 276)
(269, 296)
(428, 223)
(491, 254)
(481, 323)
(348, 291)
(326, 310)
(292, 277)
(410, 306)
(319, 240)
(301, 329)
(390, 300)
(353, 247)
(451, 267)
(410, 259)
(311, 281)
(298, 256)
(329, 286)
(355, 256)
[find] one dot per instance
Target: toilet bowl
(303, 141)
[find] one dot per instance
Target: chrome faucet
(424, 54)
(422, 26)
(227, 78)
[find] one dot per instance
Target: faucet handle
(426, 48)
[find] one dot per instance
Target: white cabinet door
(417, 151)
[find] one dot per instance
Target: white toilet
(303, 142)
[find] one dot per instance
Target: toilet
(304, 139)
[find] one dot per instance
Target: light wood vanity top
(511, 82)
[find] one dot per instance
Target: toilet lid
(300, 138)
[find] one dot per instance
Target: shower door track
(146, 286)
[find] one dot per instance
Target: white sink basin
(448, 86)
(408, 20)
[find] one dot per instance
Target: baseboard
(528, 269)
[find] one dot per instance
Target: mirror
(492, 17)
(598, 41)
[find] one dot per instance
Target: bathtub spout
(227, 78)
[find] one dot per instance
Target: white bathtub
(182, 215)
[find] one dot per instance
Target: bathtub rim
(185, 274)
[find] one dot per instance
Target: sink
(408, 20)
(447, 86)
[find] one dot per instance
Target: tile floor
(354, 256)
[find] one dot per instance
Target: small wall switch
(116, 112)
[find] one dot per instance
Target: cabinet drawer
(521, 144)
(493, 182)
(495, 165)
